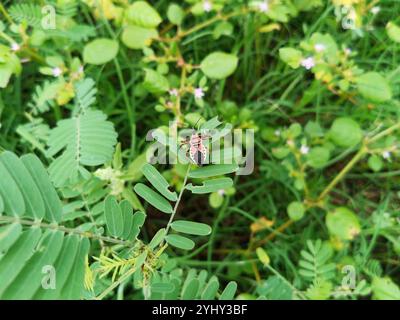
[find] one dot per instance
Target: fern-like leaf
(87, 139)
(314, 263)
(27, 12)
(85, 94)
(26, 192)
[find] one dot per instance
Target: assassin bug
(196, 148)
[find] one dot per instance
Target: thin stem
(177, 202)
(5, 13)
(86, 234)
(343, 172)
(127, 104)
(115, 284)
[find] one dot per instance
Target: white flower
(347, 51)
(80, 69)
(263, 6)
(15, 47)
(207, 6)
(386, 155)
(304, 149)
(56, 71)
(104, 174)
(173, 92)
(221, 192)
(198, 93)
(375, 10)
(319, 47)
(277, 133)
(308, 63)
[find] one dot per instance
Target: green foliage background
(317, 80)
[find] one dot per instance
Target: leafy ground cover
(83, 82)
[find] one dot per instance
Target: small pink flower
(308, 63)
(15, 47)
(174, 92)
(207, 6)
(57, 72)
(198, 93)
(221, 192)
(263, 6)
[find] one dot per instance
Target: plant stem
(86, 234)
(128, 106)
(343, 172)
(115, 284)
(177, 203)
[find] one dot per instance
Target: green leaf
(179, 242)
(17, 256)
(158, 237)
(216, 200)
(155, 82)
(213, 170)
(229, 291)
(375, 163)
(210, 291)
(73, 287)
(274, 288)
(158, 181)
(211, 186)
(210, 124)
(393, 31)
(175, 14)
(14, 203)
(345, 132)
(295, 210)
(190, 227)
(34, 204)
(162, 287)
(30, 277)
(48, 193)
(8, 235)
(191, 289)
(153, 198)
(100, 51)
(318, 157)
(138, 221)
(127, 218)
(374, 87)
(143, 14)
(88, 140)
(63, 266)
(385, 289)
(113, 215)
(291, 56)
(343, 223)
(219, 65)
(135, 37)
